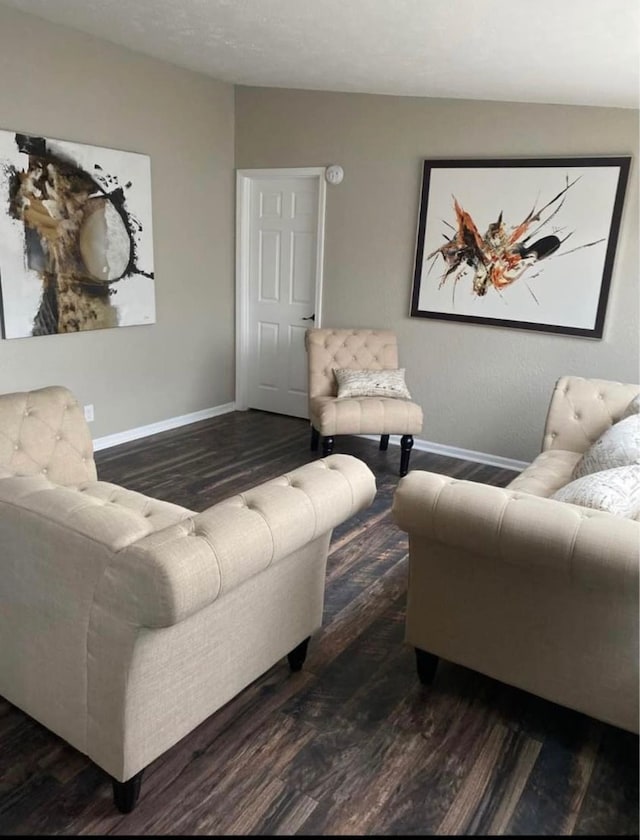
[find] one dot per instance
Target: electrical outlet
(88, 413)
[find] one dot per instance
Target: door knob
(310, 317)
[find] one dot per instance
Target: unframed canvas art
(76, 239)
(519, 243)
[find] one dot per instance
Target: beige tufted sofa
(357, 349)
(538, 593)
(126, 621)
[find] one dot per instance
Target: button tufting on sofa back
(44, 432)
(358, 349)
(582, 409)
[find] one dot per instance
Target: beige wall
(482, 388)
(62, 84)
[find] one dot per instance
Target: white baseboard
(227, 408)
(456, 452)
(161, 426)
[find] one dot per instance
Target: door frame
(244, 177)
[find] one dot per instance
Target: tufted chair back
(357, 349)
(44, 431)
(582, 409)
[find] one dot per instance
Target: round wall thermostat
(334, 173)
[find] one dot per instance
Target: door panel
(269, 267)
(297, 374)
(268, 340)
(283, 256)
(302, 284)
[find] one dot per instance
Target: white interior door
(283, 263)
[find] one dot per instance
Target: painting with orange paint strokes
(522, 243)
(76, 241)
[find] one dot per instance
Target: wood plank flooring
(352, 744)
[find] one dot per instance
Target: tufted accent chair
(125, 621)
(357, 349)
(536, 592)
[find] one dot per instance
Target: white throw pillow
(371, 383)
(616, 491)
(619, 446)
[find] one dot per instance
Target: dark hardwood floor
(352, 744)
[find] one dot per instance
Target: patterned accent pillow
(371, 383)
(632, 408)
(619, 446)
(616, 491)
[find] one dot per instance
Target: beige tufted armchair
(532, 591)
(358, 349)
(125, 621)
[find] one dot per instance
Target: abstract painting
(76, 239)
(523, 243)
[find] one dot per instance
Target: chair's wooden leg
(426, 665)
(327, 445)
(384, 442)
(125, 794)
(315, 439)
(406, 444)
(298, 655)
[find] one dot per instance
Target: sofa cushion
(618, 446)
(546, 473)
(365, 416)
(616, 491)
(371, 383)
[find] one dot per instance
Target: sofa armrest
(592, 548)
(173, 573)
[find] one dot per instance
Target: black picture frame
(489, 227)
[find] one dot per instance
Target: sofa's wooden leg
(298, 655)
(426, 664)
(125, 794)
(406, 444)
(327, 445)
(384, 442)
(315, 439)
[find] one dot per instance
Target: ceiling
(582, 52)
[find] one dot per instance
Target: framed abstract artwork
(522, 243)
(76, 239)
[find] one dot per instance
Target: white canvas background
(21, 286)
(567, 288)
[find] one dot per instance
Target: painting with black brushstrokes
(523, 243)
(76, 238)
